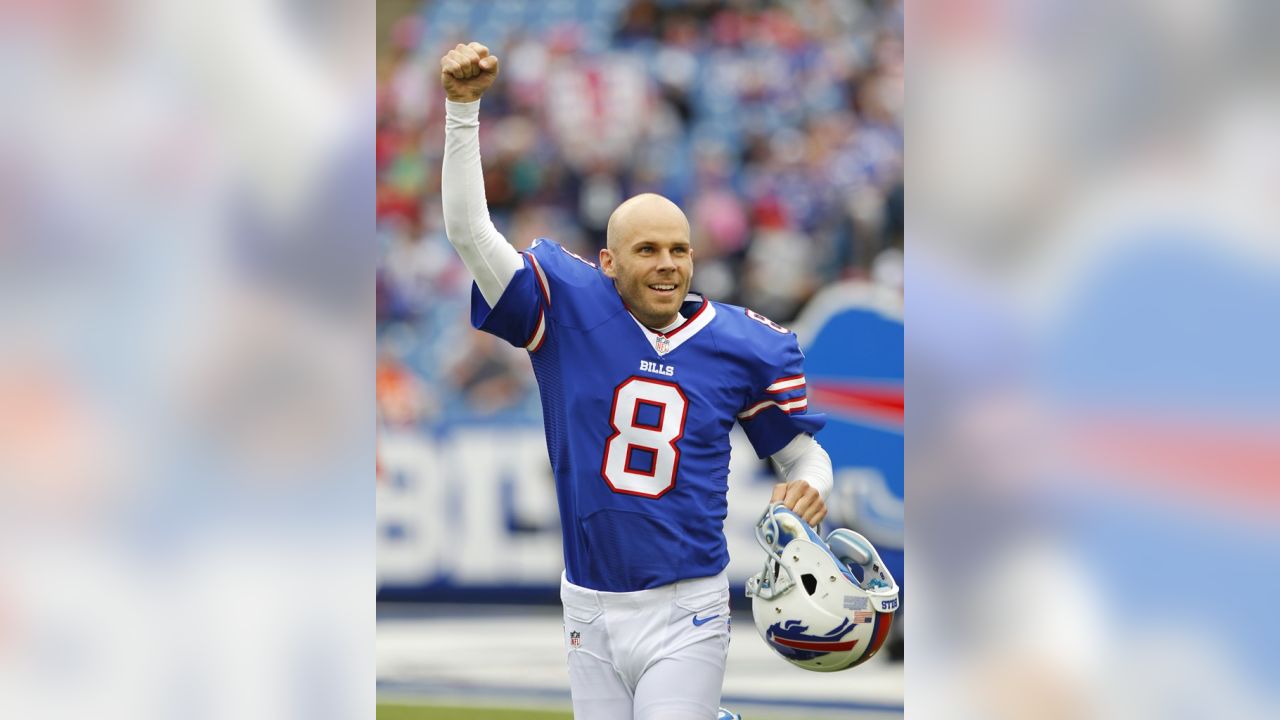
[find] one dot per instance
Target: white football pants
(656, 654)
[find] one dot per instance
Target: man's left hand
(802, 498)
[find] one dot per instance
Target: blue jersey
(638, 422)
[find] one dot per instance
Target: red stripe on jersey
(542, 279)
(789, 388)
(539, 333)
(789, 407)
(686, 323)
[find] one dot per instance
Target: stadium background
(778, 127)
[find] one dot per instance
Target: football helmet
(823, 605)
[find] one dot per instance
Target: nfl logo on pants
(575, 638)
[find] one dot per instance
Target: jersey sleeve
(779, 409)
(520, 315)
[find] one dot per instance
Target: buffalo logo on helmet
(792, 639)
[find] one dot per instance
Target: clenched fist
(801, 497)
(467, 71)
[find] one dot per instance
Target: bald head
(643, 214)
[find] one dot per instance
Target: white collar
(674, 335)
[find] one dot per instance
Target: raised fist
(467, 71)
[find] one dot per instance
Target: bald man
(641, 382)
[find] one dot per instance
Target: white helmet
(809, 605)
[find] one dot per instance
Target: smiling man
(641, 382)
(649, 258)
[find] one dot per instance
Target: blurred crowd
(776, 125)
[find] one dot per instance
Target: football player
(641, 381)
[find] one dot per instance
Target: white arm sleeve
(804, 459)
(484, 251)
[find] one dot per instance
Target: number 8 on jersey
(641, 457)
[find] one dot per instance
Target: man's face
(652, 268)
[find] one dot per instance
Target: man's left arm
(805, 469)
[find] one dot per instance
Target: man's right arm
(466, 72)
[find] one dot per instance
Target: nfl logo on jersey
(575, 638)
(663, 344)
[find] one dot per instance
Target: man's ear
(606, 263)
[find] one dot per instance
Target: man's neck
(675, 323)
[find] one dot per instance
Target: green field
(430, 712)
